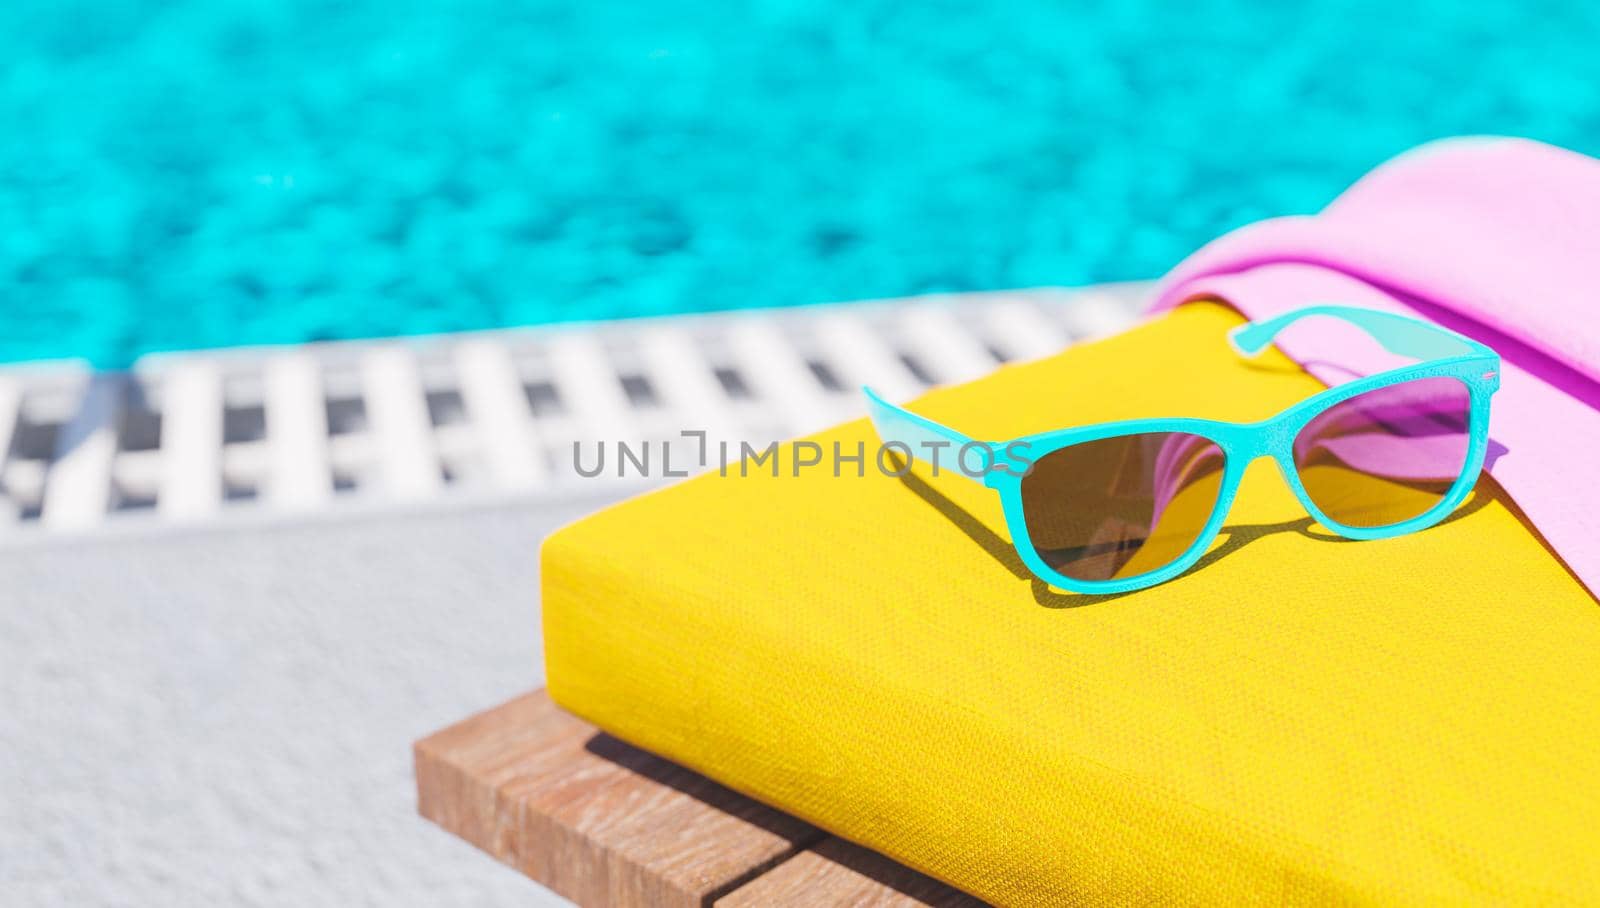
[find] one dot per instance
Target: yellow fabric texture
(1298, 720)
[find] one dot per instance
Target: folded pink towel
(1498, 239)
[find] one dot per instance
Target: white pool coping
(203, 437)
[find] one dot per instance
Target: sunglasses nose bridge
(1252, 442)
(1273, 440)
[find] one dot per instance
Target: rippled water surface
(212, 172)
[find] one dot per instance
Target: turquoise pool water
(203, 173)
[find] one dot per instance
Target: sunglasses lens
(1386, 456)
(1121, 507)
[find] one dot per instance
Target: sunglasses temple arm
(1398, 334)
(909, 435)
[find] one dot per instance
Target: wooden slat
(836, 872)
(191, 440)
(594, 819)
(491, 389)
(408, 460)
(299, 474)
(604, 823)
(78, 487)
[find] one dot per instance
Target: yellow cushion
(1300, 719)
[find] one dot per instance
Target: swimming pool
(193, 174)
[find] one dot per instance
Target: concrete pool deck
(225, 716)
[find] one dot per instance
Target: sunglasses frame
(1444, 354)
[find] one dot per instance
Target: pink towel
(1498, 239)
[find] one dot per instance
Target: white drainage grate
(193, 437)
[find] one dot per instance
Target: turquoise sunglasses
(1125, 505)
